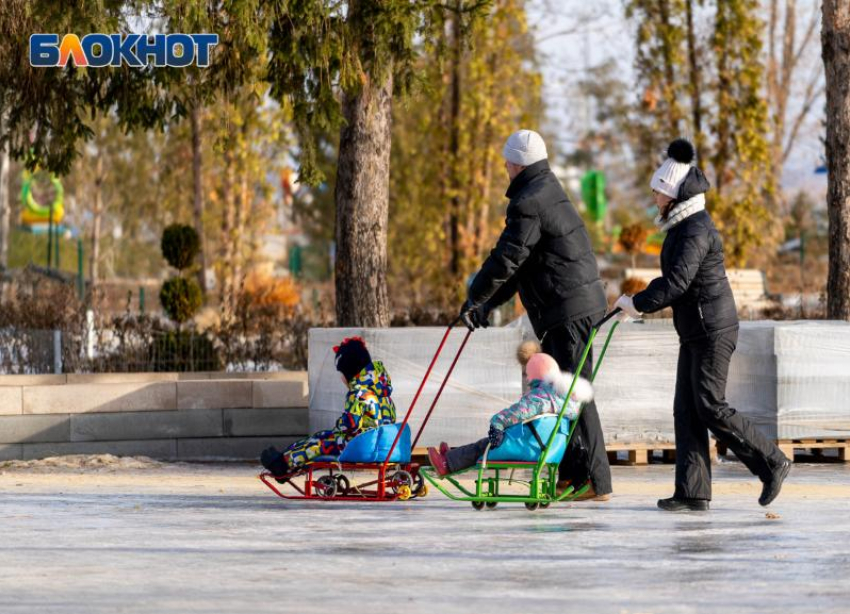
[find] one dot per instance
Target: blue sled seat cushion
(373, 446)
(521, 445)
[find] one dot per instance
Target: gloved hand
(475, 316)
(626, 303)
(496, 436)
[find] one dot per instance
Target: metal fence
(30, 351)
(55, 351)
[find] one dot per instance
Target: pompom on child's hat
(672, 172)
(526, 350)
(351, 357)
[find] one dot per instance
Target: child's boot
(438, 461)
(272, 459)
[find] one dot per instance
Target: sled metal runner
(330, 480)
(492, 476)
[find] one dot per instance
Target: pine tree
(741, 161)
(660, 65)
(712, 91)
(366, 49)
(448, 180)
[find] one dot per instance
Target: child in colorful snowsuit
(368, 404)
(547, 390)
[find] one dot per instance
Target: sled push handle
(454, 323)
(607, 317)
(578, 370)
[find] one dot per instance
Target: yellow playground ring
(36, 213)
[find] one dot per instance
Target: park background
(340, 165)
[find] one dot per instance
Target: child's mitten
(496, 436)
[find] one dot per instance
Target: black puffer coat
(544, 253)
(693, 281)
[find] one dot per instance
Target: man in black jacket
(545, 254)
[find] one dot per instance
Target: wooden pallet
(816, 447)
(636, 453)
(643, 453)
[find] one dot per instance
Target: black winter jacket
(544, 253)
(693, 281)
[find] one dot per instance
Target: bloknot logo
(135, 50)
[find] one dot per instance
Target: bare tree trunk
(454, 142)
(97, 217)
(228, 197)
(669, 54)
(243, 208)
(695, 83)
(479, 235)
(783, 72)
(835, 38)
(723, 128)
(362, 207)
(779, 72)
(4, 201)
(198, 200)
(473, 189)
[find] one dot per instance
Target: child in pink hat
(547, 390)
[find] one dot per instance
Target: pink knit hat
(540, 365)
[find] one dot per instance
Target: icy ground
(108, 537)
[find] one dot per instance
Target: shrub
(180, 245)
(632, 239)
(183, 350)
(632, 285)
(266, 291)
(181, 298)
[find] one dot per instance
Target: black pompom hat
(351, 357)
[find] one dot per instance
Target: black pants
(466, 456)
(585, 458)
(700, 406)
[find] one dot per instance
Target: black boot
(674, 504)
(272, 459)
(771, 488)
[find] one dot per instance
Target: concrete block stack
(171, 416)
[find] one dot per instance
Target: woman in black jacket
(695, 285)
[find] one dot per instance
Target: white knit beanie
(672, 172)
(524, 147)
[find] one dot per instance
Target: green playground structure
(492, 476)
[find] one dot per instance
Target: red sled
(391, 474)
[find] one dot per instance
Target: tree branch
(771, 54)
(788, 38)
(807, 37)
(578, 29)
(813, 92)
(466, 9)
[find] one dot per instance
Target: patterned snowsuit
(368, 404)
(541, 398)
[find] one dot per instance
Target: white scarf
(683, 210)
